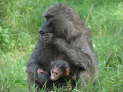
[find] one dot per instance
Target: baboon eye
(56, 73)
(48, 17)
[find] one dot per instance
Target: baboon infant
(60, 69)
(60, 73)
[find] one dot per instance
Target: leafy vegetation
(20, 21)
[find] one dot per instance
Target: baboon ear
(67, 72)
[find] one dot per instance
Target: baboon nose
(52, 78)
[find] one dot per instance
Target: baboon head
(62, 22)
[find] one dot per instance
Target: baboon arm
(33, 64)
(78, 57)
(32, 71)
(75, 55)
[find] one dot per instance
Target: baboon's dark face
(54, 25)
(47, 26)
(47, 31)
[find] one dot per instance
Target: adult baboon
(63, 36)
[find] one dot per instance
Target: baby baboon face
(59, 68)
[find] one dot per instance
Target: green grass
(20, 21)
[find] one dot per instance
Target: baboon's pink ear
(67, 72)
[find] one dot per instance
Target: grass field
(20, 21)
